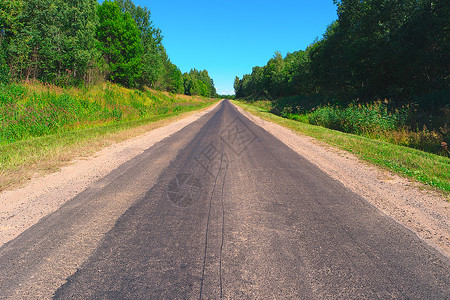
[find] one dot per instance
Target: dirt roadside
(23, 207)
(424, 212)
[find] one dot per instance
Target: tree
(9, 26)
(79, 26)
(199, 83)
(153, 59)
(120, 43)
(237, 87)
(377, 49)
(79, 41)
(173, 79)
(53, 40)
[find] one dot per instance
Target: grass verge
(29, 110)
(22, 160)
(430, 169)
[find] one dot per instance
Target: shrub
(362, 119)
(4, 70)
(376, 121)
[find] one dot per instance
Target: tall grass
(366, 119)
(33, 110)
(373, 120)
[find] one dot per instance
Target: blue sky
(229, 37)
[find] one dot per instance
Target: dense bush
(359, 119)
(374, 120)
(4, 71)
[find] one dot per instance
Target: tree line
(70, 42)
(376, 49)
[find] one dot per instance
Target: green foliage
(373, 120)
(199, 83)
(120, 43)
(9, 23)
(153, 59)
(376, 49)
(54, 41)
(78, 42)
(4, 70)
(173, 79)
(281, 77)
(9, 20)
(83, 57)
(384, 49)
(33, 111)
(230, 97)
(366, 119)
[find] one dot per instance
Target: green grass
(65, 136)
(28, 111)
(430, 169)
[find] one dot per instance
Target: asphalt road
(222, 209)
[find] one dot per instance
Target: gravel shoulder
(23, 207)
(424, 212)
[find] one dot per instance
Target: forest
(384, 63)
(82, 42)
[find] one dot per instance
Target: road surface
(222, 209)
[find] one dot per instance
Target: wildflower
(444, 145)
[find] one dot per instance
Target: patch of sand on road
(424, 212)
(24, 207)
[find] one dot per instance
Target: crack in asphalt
(223, 233)
(207, 226)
